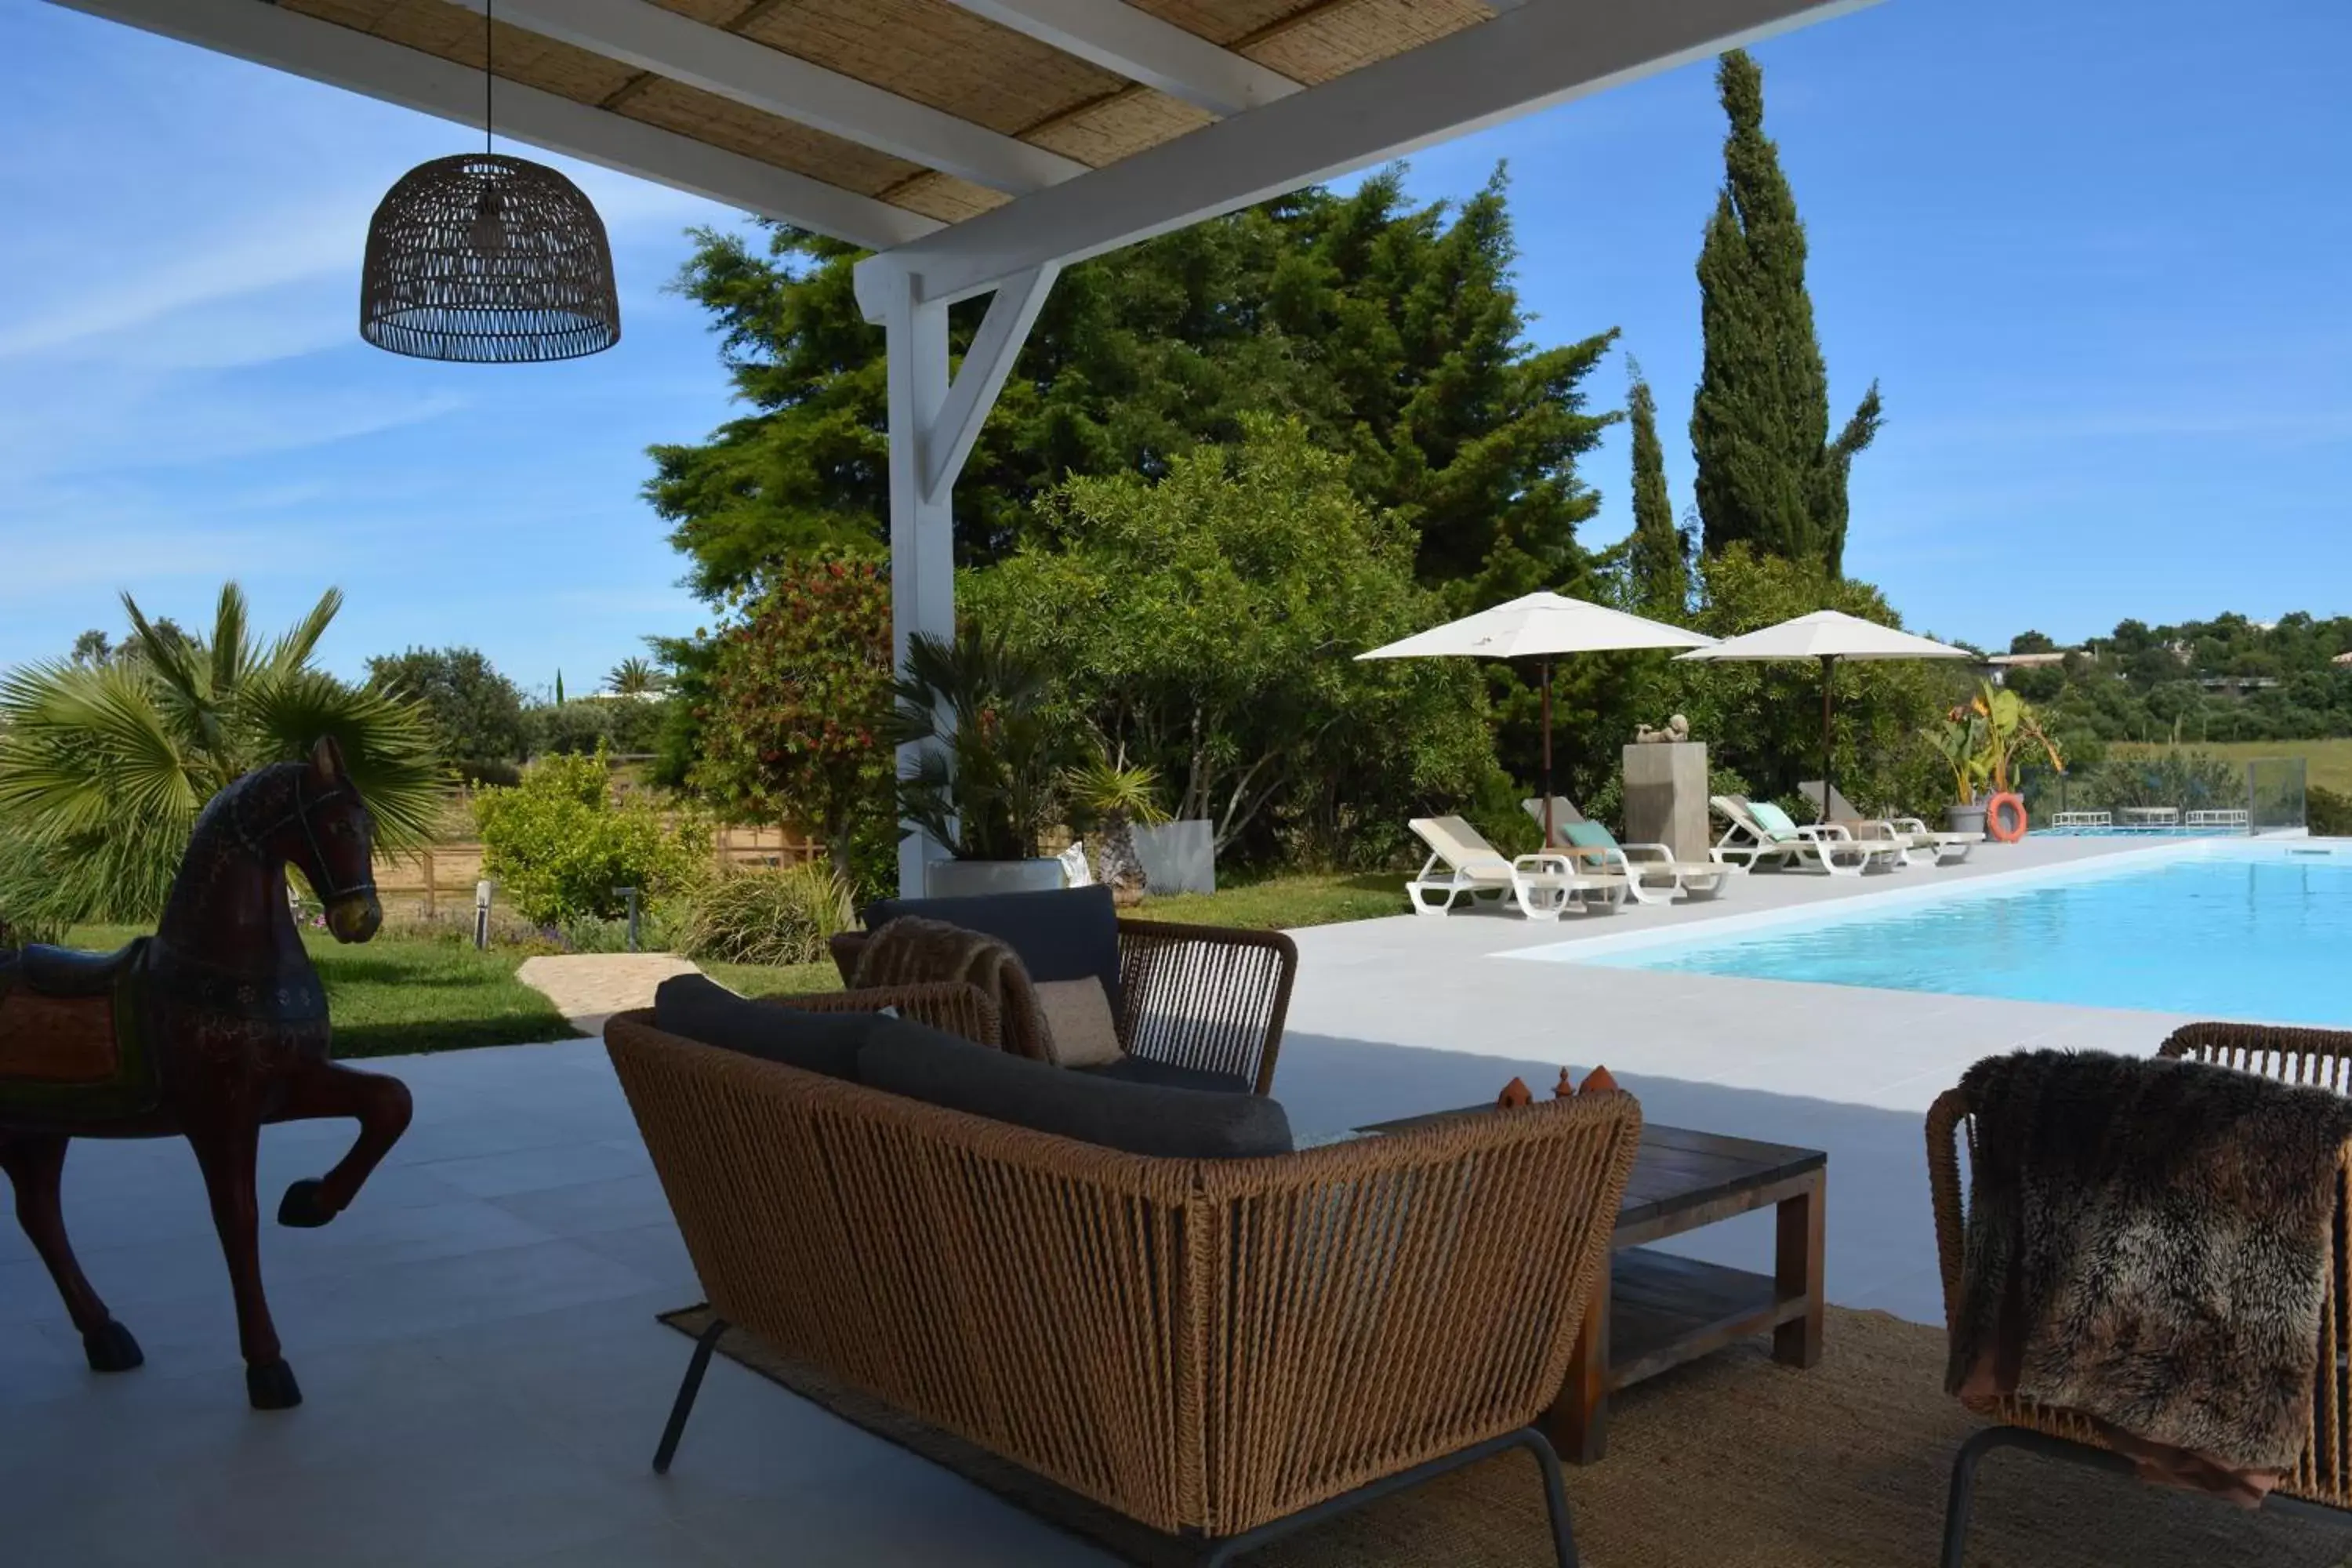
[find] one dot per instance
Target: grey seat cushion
(1139, 1117)
(1168, 1075)
(697, 1007)
(1069, 933)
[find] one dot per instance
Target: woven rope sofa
(1221, 1350)
(2323, 1478)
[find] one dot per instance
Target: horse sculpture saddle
(69, 971)
(69, 1028)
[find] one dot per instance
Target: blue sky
(2098, 270)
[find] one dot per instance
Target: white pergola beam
(948, 440)
(1541, 53)
(750, 73)
(1141, 48)
(345, 57)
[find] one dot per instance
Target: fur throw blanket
(910, 950)
(2148, 1243)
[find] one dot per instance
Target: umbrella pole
(1547, 752)
(1829, 663)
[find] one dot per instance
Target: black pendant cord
(490, 74)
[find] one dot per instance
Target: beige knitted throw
(910, 950)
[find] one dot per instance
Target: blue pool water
(2253, 932)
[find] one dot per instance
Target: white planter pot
(974, 878)
(1178, 856)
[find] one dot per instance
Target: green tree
(625, 726)
(1768, 474)
(476, 712)
(1205, 626)
(796, 707)
(1392, 330)
(1657, 554)
(104, 767)
(561, 844)
(1763, 721)
(635, 677)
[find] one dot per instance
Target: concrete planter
(1178, 856)
(974, 878)
(1969, 818)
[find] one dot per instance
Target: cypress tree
(1768, 474)
(1657, 556)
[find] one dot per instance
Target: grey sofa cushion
(697, 1007)
(1167, 1075)
(1069, 933)
(1140, 1119)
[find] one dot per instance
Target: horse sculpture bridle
(258, 842)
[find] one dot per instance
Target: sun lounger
(1922, 845)
(1462, 864)
(2150, 818)
(2237, 820)
(1761, 834)
(2081, 821)
(1653, 874)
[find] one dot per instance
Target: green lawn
(395, 996)
(776, 980)
(2328, 763)
(1292, 900)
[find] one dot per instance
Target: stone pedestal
(1665, 797)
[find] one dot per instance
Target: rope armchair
(1219, 1350)
(2322, 1478)
(1206, 997)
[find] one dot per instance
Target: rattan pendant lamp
(488, 259)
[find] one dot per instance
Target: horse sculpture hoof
(110, 1348)
(301, 1208)
(272, 1386)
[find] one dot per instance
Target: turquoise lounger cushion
(1772, 819)
(1587, 835)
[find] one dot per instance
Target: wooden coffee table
(1661, 1310)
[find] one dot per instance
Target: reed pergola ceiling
(891, 121)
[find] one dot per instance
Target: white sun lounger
(2076, 821)
(1922, 845)
(1761, 833)
(1653, 874)
(1463, 864)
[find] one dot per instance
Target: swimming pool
(2257, 931)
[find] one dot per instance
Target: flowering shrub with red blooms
(799, 698)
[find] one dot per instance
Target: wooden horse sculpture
(208, 1029)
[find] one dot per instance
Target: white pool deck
(475, 1340)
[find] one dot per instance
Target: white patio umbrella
(1828, 636)
(1540, 627)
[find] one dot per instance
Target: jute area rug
(1733, 1462)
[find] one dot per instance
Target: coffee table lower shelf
(1664, 1310)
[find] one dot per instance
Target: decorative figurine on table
(1675, 731)
(209, 1029)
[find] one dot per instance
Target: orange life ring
(2005, 817)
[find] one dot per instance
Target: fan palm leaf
(103, 770)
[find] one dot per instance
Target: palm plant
(985, 785)
(104, 767)
(2011, 726)
(633, 677)
(1109, 801)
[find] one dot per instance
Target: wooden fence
(448, 872)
